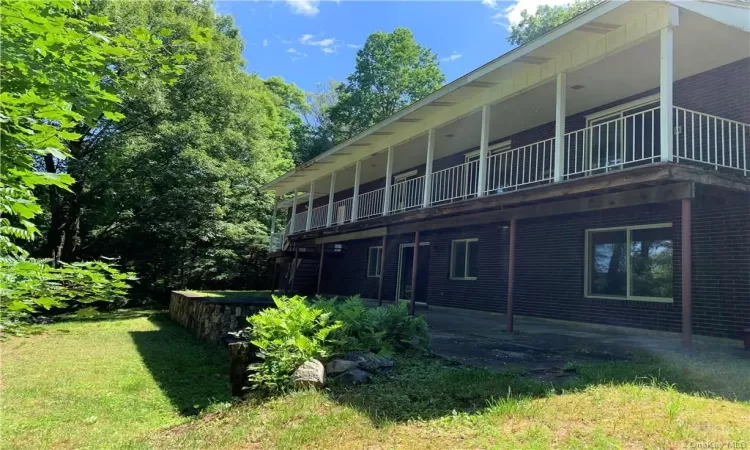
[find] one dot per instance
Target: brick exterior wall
(550, 264)
(721, 262)
(550, 267)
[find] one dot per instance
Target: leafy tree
(134, 80)
(546, 18)
(316, 135)
(391, 71)
(178, 197)
(61, 68)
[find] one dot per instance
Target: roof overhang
(498, 77)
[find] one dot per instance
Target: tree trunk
(56, 233)
(72, 238)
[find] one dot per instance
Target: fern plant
(286, 337)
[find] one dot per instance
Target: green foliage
(382, 330)
(546, 18)
(286, 337)
(62, 70)
(391, 71)
(28, 285)
(297, 330)
(174, 190)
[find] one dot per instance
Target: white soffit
(613, 15)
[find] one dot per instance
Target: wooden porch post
(687, 275)
(290, 286)
(320, 268)
(511, 273)
(382, 272)
(273, 276)
(415, 260)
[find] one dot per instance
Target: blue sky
(308, 42)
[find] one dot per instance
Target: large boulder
(354, 376)
(369, 361)
(310, 374)
(338, 366)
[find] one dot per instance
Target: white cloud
(353, 45)
(327, 45)
(304, 7)
(308, 39)
(452, 57)
(511, 15)
(298, 54)
(265, 42)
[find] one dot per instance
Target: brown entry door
(406, 262)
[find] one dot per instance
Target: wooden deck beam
(656, 194)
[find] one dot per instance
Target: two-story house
(599, 173)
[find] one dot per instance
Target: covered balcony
(644, 104)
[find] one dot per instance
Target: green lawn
(137, 381)
(233, 294)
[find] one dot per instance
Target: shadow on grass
(192, 374)
(108, 316)
(430, 387)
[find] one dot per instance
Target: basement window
(632, 263)
(374, 255)
(464, 259)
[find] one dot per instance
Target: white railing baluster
(733, 150)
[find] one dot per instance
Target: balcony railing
(455, 183)
(342, 211)
(407, 194)
(520, 167)
(613, 144)
(371, 204)
(711, 141)
(699, 139)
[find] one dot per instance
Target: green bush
(383, 330)
(297, 330)
(28, 285)
(286, 337)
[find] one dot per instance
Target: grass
(136, 381)
(102, 383)
(234, 294)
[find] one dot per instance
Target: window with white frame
(633, 263)
(465, 259)
(624, 134)
(374, 256)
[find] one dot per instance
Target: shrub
(382, 330)
(286, 337)
(298, 330)
(28, 284)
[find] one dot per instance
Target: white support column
(428, 168)
(355, 199)
(562, 87)
(666, 71)
(273, 216)
(388, 178)
(310, 206)
(294, 212)
(484, 144)
(329, 217)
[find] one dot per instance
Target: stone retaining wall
(210, 319)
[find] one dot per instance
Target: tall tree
(179, 196)
(546, 18)
(316, 134)
(391, 71)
